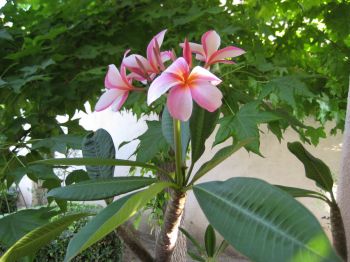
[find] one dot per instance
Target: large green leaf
(111, 217)
(92, 162)
(202, 124)
(315, 168)
(99, 144)
(168, 132)
(244, 125)
(76, 176)
(220, 156)
(152, 142)
(39, 237)
(99, 189)
(16, 225)
(263, 222)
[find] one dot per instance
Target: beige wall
(278, 166)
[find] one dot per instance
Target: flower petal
(108, 98)
(210, 42)
(152, 45)
(131, 63)
(179, 67)
(159, 86)
(117, 104)
(180, 103)
(206, 95)
(201, 74)
(227, 52)
(113, 79)
(195, 48)
(200, 57)
(187, 53)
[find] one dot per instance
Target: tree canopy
(54, 56)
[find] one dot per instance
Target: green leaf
(220, 156)
(200, 249)
(263, 222)
(202, 124)
(300, 192)
(168, 132)
(99, 144)
(39, 237)
(287, 88)
(99, 189)
(77, 176)
(5, 35)
(16, 225)
(59, 143)
(92, 162)
(151, 142)
(111, 217)
(244, 125)
(315, 168)
(210, 241)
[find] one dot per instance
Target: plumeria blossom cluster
(161, 71)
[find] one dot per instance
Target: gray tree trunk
(343, 194)
(38, 194)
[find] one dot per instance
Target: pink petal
(210, 42)
(200, 57)
(180, 103)
(187, 53)
(196, 48)
(108, 98)
(117, 104)
(159, 86)
(131, 63)
(113, 79)
(150, 48)
(227, 52)
(167, 55)
(206, 95)
(201, 74)
(179, 67)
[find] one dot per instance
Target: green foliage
(300, 192)
(263, 222)
(111, 217)
(315, 168)
(35, 239)
(208, 253)
(100, 189)
(152, 142)
(16, 225)
(168, 132)
(244, 125)
(219, 157)
(8, 201)
(99, 144)
(202, 124)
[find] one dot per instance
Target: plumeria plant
(259, 220)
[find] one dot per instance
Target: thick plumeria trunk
(338, 231)
(170, 229)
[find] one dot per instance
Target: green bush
(11, 198)
(108, 249)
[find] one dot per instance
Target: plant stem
(178, 158)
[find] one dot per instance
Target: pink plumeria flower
(145, 69)
(118, 86)
(209, 53)
(198, 84)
